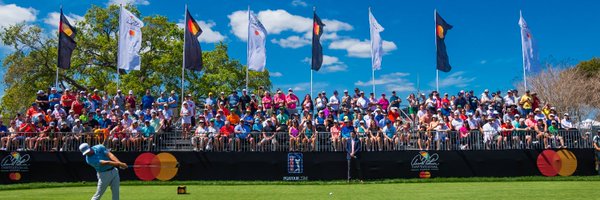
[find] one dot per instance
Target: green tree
(32, 64)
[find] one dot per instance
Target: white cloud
(392, 82)
(11, 14)
(53, 19)
(330, 64)
(483, 62)
(299, 3)
(125, 2)
(455, 79)
(208, 34)
(305, 86)
(278, 21)
(275, 74)
(293, 42)
(360, 49)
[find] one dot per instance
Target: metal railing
(319, 142)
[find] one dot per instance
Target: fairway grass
(426, 190)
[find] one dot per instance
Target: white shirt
(334, 102)
(457, 123)
(540, 116)
(473, 123)
(320, 103)
(509, 100)
(362, 102)
(490, 129)
(566, 123)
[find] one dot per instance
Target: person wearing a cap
(362, 102)
(186, 119)
(267, 103)
(320, 102)
(148, 132)
(53, 98)
(373, 103)
(254, 104)
(147, 100)
(491, 132)
(539, 115)
(291, 102)
(268, 135)
(33, 110)
(245, 100)
(390, 139)
(105, 163)
(212, 102)
(346, 100)
(119, 100)
(78, 105)
(553, 133)
(346, 129)
(248, 116)
(242, 133)
(130, 100)
(224, 136)
(162, 101)
(200, 137)
(233, 117)
(233, 101)
(566, 122)
(541, 131)
(526, 102)
(278, 100)
(96, 99)
(43, 138)
(42, 100)
(173, 103)
(485, 97)
(596, 144)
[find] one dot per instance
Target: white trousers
(104, 180)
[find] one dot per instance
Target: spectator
(268, 135)
(186, 119)
(233, 117)
(389, 133)
(294, 135)
(172, 108)
(211, 102)
(566, 122)
(554, 134)
(119, 100)
(147, 100)
(491, 133)
(245, 100)
(148, 132)
(42, 100)
(267, 103)
(225, 134)
(53, 98)
(200, 137)
(335, 136)
(346, 101)
(291, 101)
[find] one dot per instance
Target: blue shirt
(219, 124)
(147, 131)
(233, 100)
(389, 131)
(173, 98)
(161, 101)
(244, 129)
(52, 96)
(147, 101)
(346, 131)
(104, 123)
(100, 153)
(3, 129)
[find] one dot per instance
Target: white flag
(257, 35)
(376, 42)
(530, 57)
(130, 41)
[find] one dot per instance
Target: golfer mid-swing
(106, 165)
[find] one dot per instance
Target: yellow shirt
(526, 101)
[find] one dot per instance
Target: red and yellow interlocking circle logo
(148, 166)
(562, 162)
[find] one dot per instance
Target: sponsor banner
(19, 167)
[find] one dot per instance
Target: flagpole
(118, 75)
(524, 74)
(311, 69)
(183, 66)
(372, 68)
(57, 68)
(247, 48)
(437, 72)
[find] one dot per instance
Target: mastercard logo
(562, 162)
(163, 166)
(424, 174)
(15, 176)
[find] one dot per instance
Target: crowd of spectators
(262, 120)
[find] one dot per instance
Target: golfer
(106, 165)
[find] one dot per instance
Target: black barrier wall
(19, 167)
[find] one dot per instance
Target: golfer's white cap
(84, 148)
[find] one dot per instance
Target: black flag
(66, 42)
(441, 28)
(317, 49)
(192, 50)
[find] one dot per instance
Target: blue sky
(484, 45)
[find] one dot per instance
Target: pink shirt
(384, 103)
(266, 101)
(335, 132)
(279, 98)
(292, 101)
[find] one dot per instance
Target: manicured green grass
(455, 190)
(439, 188)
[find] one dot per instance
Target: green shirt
(553, 130)
(282, 118)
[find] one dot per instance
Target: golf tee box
(181, 189)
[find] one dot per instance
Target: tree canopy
(32, 64)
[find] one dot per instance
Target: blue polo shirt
(161, 101)
(147, 131)
(147, 101)
(244, 129)
(100, 153)
(52, 96)
(233, 99)
(346, 131)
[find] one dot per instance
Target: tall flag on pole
(192, 51)
(317, 49)
(376, 42)
(530, 57)
(257, 35)
(130, 41)
(441, 28)
(66, 42)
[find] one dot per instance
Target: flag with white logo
(257, 35)
(130, 41)
(376, 42)
(530, 57)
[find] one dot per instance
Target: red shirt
(96, 97)
(393, 116)
(506, 126)
(77, 107)
(226, 130)
(32, 111)
(67, 100)
(130, 100)
(27, 129)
